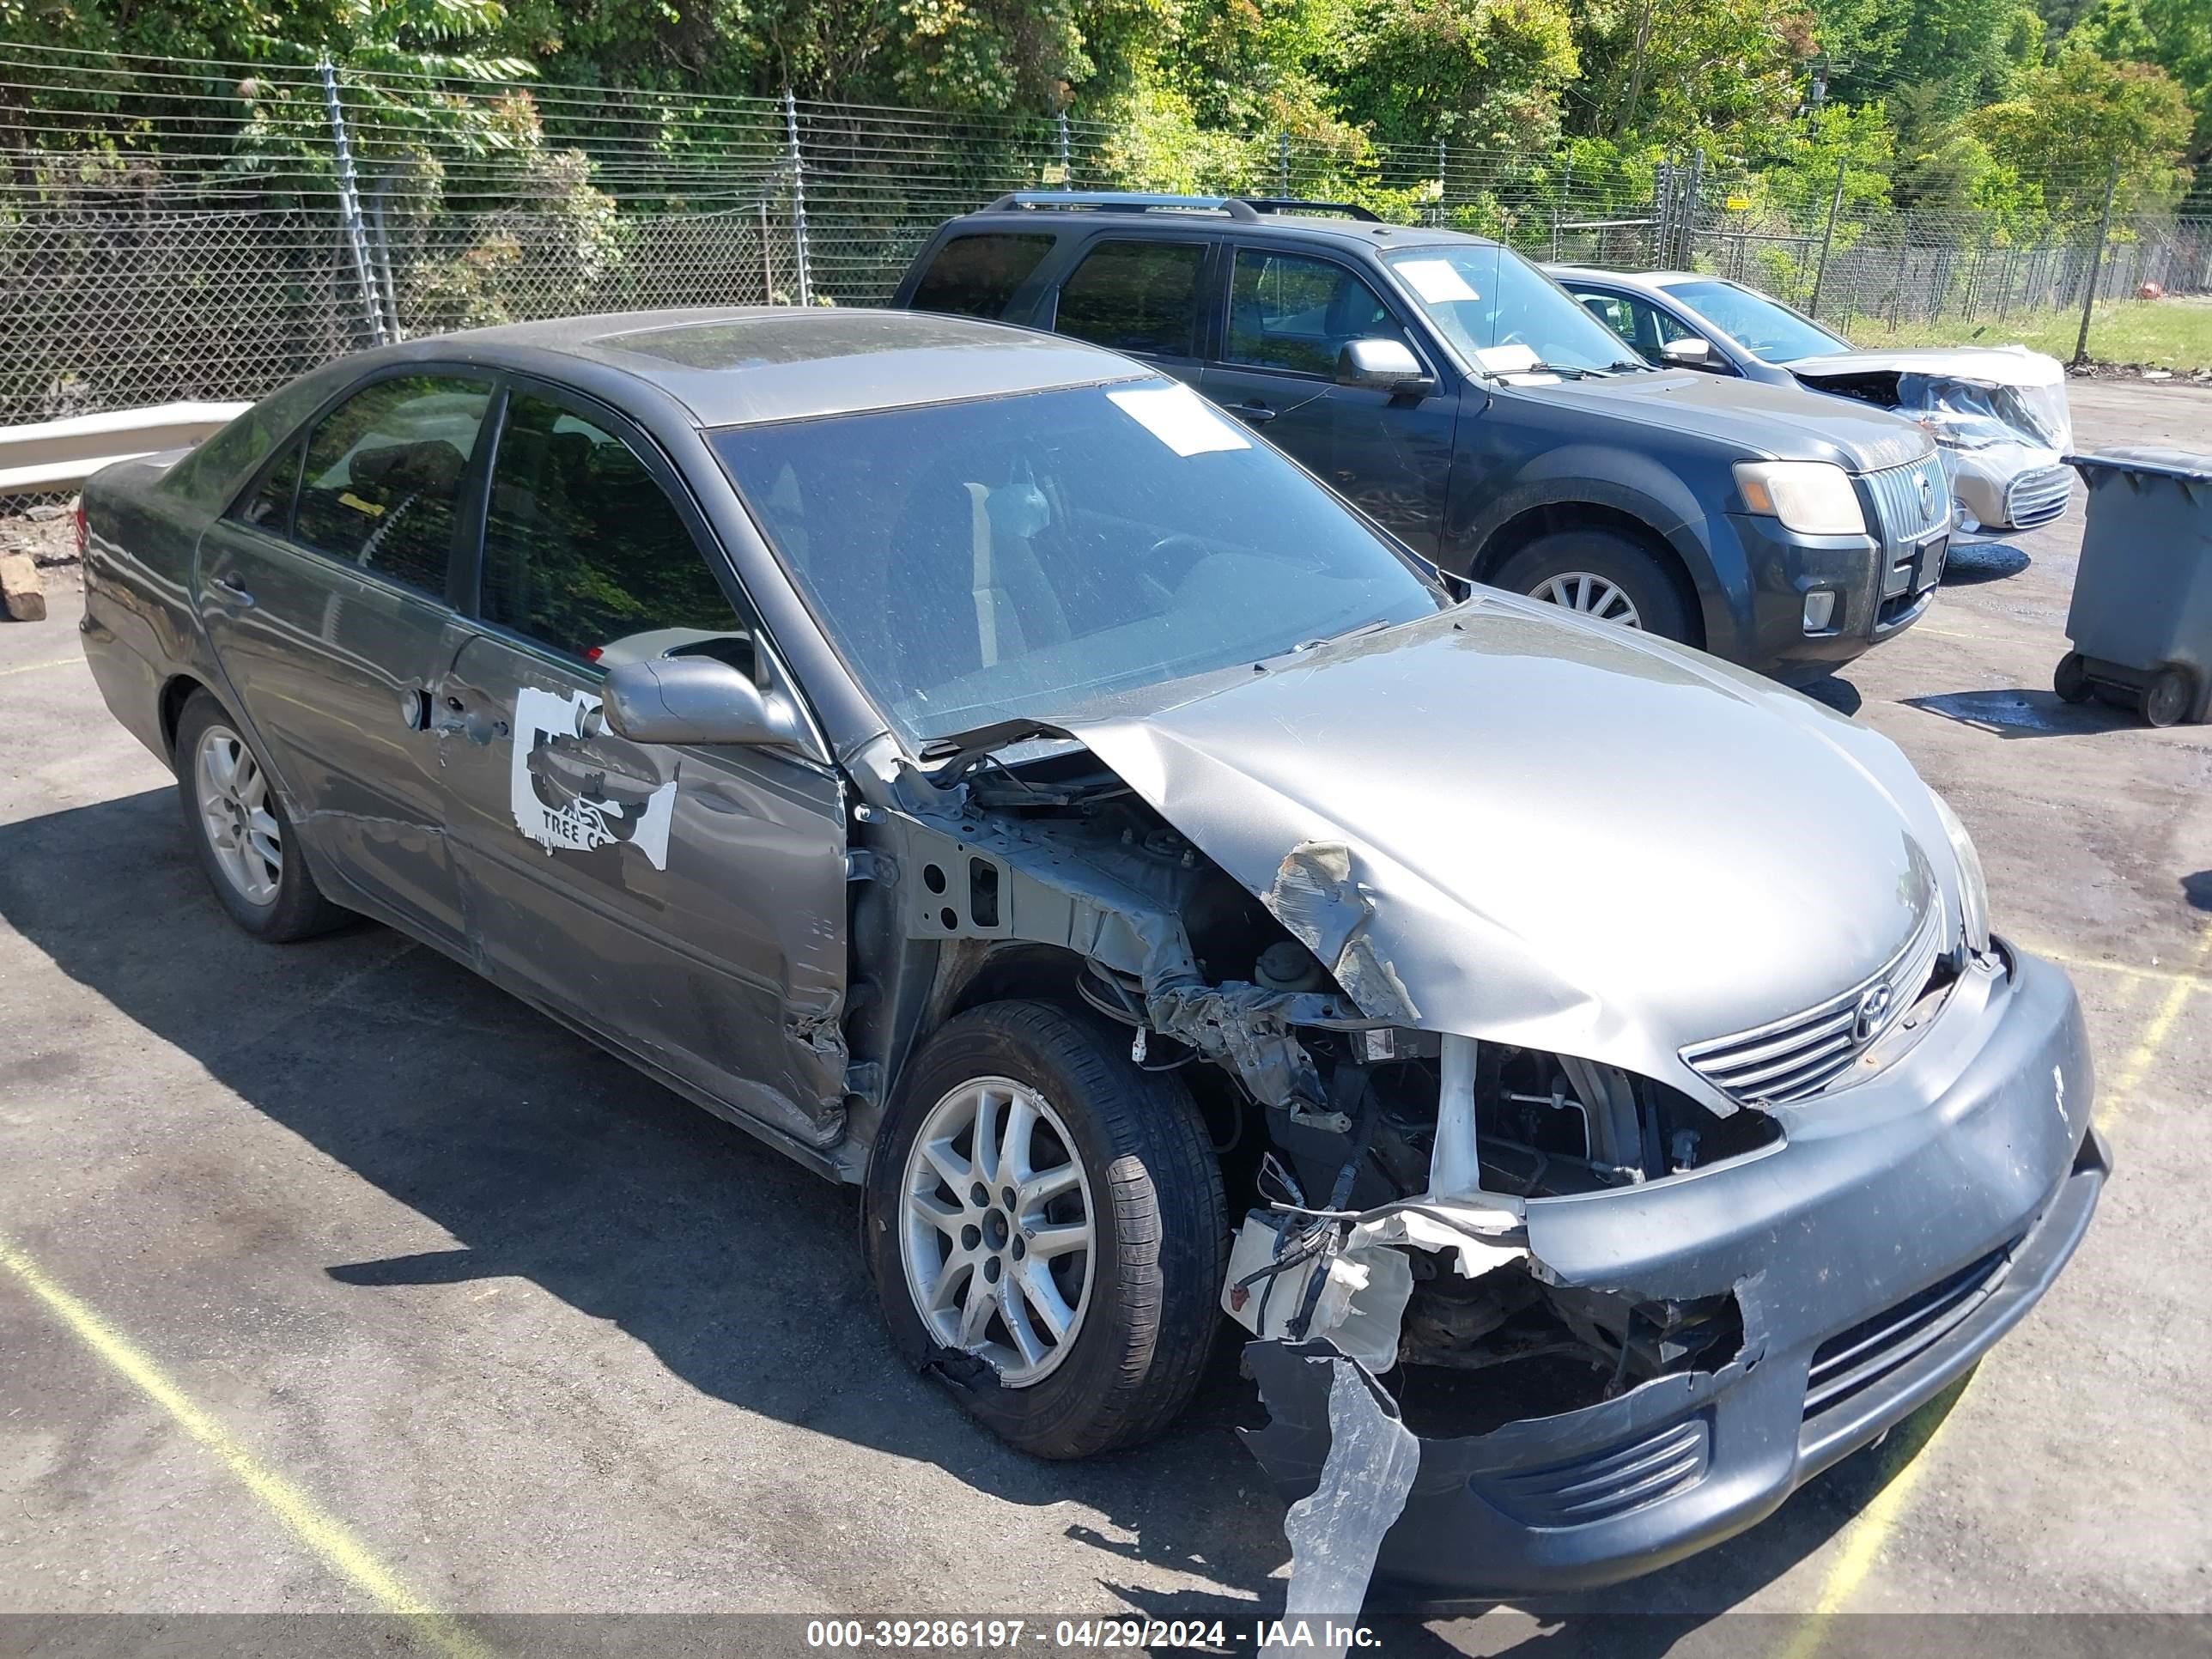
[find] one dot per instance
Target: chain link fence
(207, 230)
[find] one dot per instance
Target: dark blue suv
(1461, 399)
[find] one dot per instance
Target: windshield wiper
(964, 751)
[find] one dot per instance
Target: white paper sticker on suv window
(556, 796)
(1179, 418)
(1437, 281)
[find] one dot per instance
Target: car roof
(1287, 227)
(737, 365)
(1648, 279)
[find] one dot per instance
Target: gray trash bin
(2141, 623)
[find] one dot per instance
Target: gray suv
(1451, 390)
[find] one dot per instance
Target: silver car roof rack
(1243, 207)
(1125, 201)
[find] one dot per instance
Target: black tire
(2169, 698)
(2071, 679)
(298, 909)
(1661, 606)
(1159, 1225)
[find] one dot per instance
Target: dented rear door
(687, 904)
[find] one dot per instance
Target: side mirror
(1689, 353)
(694, 700)
(1382, 366)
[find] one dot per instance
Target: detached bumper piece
(1594, 1496)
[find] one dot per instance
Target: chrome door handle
(1252, 414)
(233, 589)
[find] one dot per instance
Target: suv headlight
(1973, 886)
(1814, 498)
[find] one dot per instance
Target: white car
(1998, 414)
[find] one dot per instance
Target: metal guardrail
(49, 456)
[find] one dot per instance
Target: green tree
(1489, 73)
(2093, 115)
(1685, 71)
(2174, 35)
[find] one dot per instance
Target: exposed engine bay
(1381, 1169)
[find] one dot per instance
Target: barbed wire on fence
(210, 229)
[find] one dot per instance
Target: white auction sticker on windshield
(1179, 418)
(1437, 281)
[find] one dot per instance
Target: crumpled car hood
(1991, 364)
(1572, 836)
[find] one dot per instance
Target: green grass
(2159, 332)
(2171, 333)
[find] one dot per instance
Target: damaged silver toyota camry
(967, 760)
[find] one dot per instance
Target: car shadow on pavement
(2019, 712)
(1983, 562)
(740, 1271)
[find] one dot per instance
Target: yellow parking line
(339, 1549)
(2189, 979)
(1869, 1531)
(32, 667)
(2137, 1065)
(1867, 1534)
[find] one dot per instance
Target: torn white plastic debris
(1336, 1531)
(1360, 1306)
(1362, 1303)
(577, 823)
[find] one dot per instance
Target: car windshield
(1769, 331)
(1487, 301)
(1022, 557)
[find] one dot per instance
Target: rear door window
(268, 505)
(977, 275)
(584, 551)
(382, 485)
(1135, 296)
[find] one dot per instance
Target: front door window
(1289, 312)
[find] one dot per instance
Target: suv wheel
(1045, 1229)
(1602, 575)
(238, 826)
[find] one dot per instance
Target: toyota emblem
(1873, 1015)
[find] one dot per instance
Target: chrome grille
(1791, 1059)
(2037, 497)
(1911, 501)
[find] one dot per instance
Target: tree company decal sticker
(563, 800)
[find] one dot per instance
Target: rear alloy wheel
(1045, 1229)
(239, 827)
(242, 834)
(1602, 575)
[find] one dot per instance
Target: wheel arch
(177, 691)
(1532, 524)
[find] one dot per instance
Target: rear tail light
(84, 530)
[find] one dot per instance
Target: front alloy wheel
(1045, 1228)
(997, 1237)
(1592, 595)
